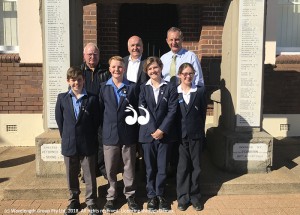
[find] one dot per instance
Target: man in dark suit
(77, 116)
(134, 72)
(134, 62)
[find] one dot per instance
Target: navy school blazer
(115, 129)
(192, 118)
(79, 137)
(162, 114)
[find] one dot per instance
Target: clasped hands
(158, 134)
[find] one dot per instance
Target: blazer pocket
(106, 131)
(65, 143)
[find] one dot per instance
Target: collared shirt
(77, 102)
(183, 56)
(156, 90)
(187, 96)
(133, 69)
(121, 91)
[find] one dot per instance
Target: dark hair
(74, 72)
(150, 60)
(185, 65)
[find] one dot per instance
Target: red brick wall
(90, 24)
(281, 90)
(20, 86)
(108, 28)
(190, 25)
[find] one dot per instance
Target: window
(8, 26)
(288, 30)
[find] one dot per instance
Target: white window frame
(280, 49)
(13, 47)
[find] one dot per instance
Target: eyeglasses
(92, 54)
(186, 74)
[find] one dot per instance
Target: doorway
(148, 21)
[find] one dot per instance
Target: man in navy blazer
(77, 116)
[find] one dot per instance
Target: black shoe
(152, 204)
(73, 208)
(163, 205)
(110, 206)
(197, 206)
(182, 207)
(132, 205)
(93, 210)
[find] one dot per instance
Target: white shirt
(183, 56)
(156, 90)
(133, 69)
(187, 96)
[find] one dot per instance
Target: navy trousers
(188, 171)
(156, 157)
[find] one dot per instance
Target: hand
(158, 134)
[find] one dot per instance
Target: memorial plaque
(51, 152)
(250, 60)
(250, 151)
(57, 53)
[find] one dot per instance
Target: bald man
(134, 62)
(134, 72)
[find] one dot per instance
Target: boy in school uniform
(77, 116)
(192, 111)
(118, 99)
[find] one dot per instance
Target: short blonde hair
(117, 58)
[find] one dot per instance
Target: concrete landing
(19, 180)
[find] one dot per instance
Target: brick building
(110, 24)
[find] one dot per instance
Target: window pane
(8, 26)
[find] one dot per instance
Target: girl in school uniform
(158, 100)
(192, 111)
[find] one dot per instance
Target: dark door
(148, 21)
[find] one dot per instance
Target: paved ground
(15, 160)
(288, 204)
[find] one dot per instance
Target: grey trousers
(88, 165)
(113, 155)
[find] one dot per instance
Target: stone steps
(213, 182)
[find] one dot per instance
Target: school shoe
(197, 206)
(132, 205)
(152, 204)
(182, 207)
(93, 209)
(73, 208)
(110, 206)
(163, 205)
